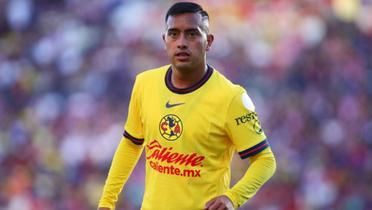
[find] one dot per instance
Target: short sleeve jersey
(190, 136)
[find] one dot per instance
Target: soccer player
(190, 120)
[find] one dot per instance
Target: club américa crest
(170, 127)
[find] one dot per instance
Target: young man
(190, 119)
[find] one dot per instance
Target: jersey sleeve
(261, 169)
(133, 129)
(243, 126)
(123, 163)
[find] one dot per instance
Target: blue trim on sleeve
(135, 140)
(254, 150)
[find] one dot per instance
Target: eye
(172, 34)
(192, 34)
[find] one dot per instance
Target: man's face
(186, 41)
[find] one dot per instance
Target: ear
(163, 37)
(210, 39)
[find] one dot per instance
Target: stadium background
(67, 67)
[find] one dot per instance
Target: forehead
(186, 20)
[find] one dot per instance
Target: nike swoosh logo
(168, 105)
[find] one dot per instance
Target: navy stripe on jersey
(133, 139)
(254, 150)
(170, 86)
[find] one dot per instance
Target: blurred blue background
(67, 68)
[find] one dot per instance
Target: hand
(219, 203)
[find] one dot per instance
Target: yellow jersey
(189, 136)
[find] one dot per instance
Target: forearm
(263, 166)
(123, 163)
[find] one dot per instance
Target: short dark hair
(186, 7)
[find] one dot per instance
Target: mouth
(182, 56)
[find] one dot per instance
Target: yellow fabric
(263, 166)
(189, 144)
(243, 134)
(134, 124)
(123, 163)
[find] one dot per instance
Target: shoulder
(237, 94)
(150, 74)
(149, 77)
(226, 86)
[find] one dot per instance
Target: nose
(182, 42)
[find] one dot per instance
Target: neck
(184, 79)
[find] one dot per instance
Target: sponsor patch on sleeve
(247, 102)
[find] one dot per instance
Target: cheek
(200, 46)
(168, 48)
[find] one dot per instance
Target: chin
(183, 66)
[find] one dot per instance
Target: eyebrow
(187, 30)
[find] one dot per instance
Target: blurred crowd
(67, 68)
